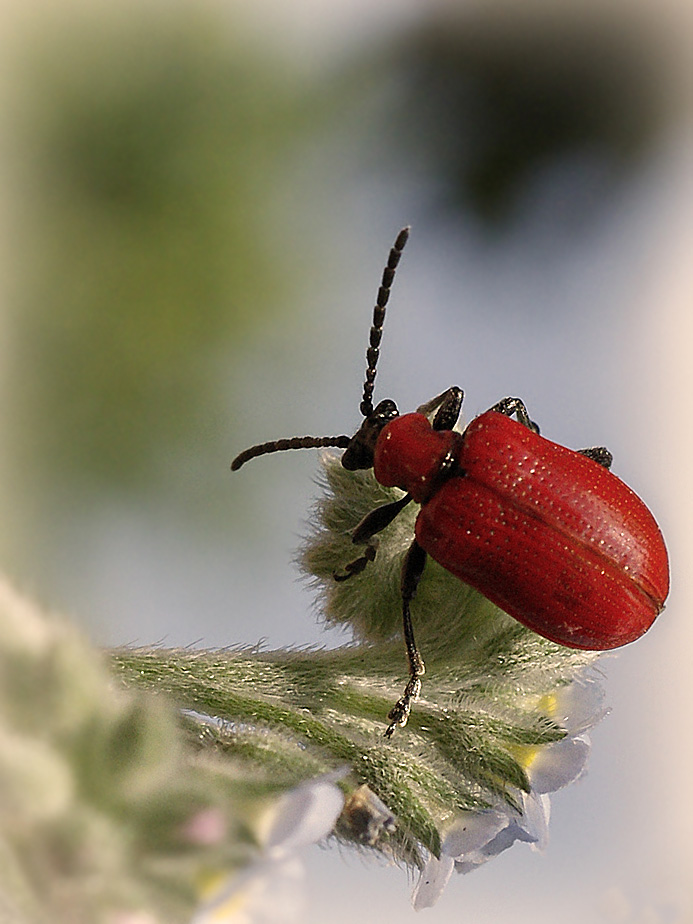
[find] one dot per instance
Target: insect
(546, 533)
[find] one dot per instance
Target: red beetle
(546, 533)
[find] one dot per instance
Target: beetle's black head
(359, 453)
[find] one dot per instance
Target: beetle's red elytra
(546, 533)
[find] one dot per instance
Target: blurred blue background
(198, 201)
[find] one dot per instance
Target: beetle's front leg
(447, 406)
(359, 564)
(412, 569)
(374, 522)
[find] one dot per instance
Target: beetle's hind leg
(374, 522)
(516, 406)
(412, 569)
(510, 406)
(599, 454)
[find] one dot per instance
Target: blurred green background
(198, 202)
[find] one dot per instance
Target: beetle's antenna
(372, 353)
(376, 334)
(296, 442)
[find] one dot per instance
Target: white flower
(555, 765)
(304, 815)
(270, 891)
(476, 837)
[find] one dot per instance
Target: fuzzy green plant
(179, 784)
(489, 704)
(113, 807)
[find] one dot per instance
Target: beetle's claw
(399, 714)
(358, 564)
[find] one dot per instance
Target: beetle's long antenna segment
(296, 442)
(376, 334)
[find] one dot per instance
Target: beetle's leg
(598, 454)
(516, 406)
(378, 518)
(372, 523)
(358, 564)
(448, 413)
(412, 569)
(430, 406)
(447, 404)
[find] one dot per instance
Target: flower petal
(433, 879)
(304, 815)
(269, 892)
(206, 827)
(471, 830)
(536, 810)
(555, 765)
(579, 706)
(505, 838)
(531, 827)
